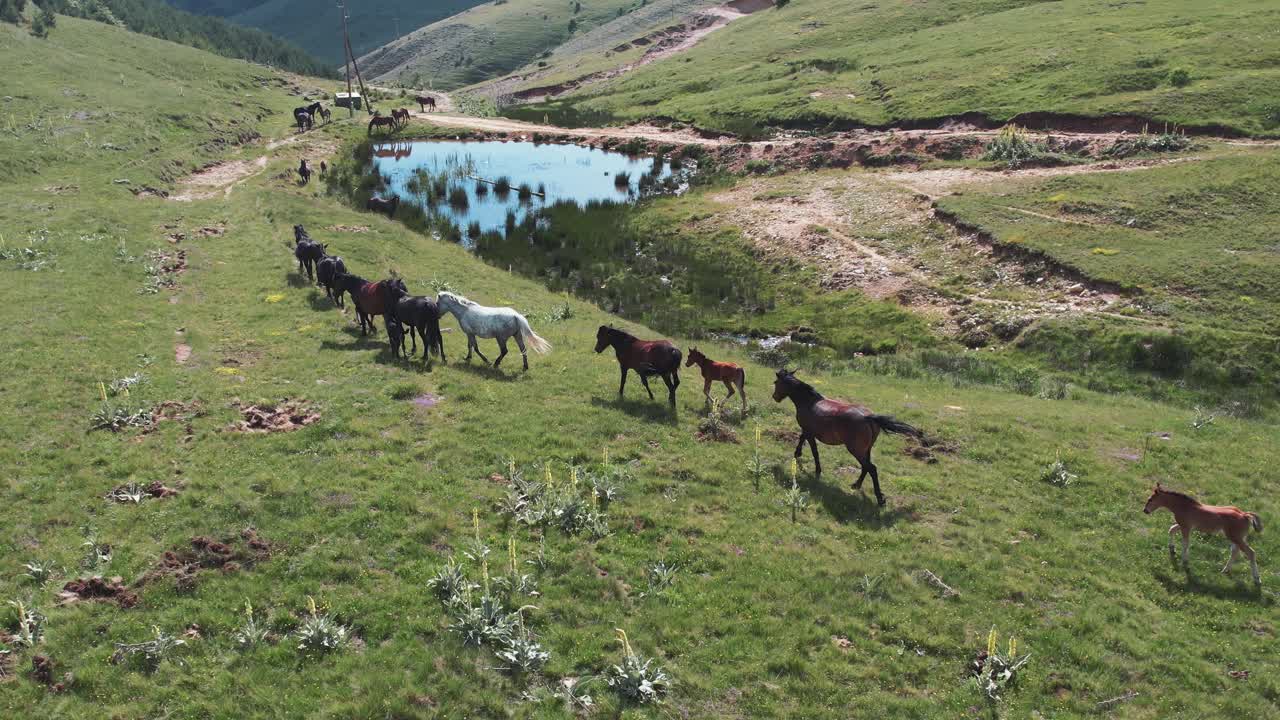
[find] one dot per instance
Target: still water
(436, 174)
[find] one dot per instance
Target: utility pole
(351, 63)
(397, 19)
(346, 56)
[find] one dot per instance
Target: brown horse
(727, 373)
(401, 116)
(383, 205)
(836, 422)
(1191, 515)
(426, 101)
(381, 121)
(646, 357)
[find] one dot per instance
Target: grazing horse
(499, 323)
(401, 116)
(307, 251)
(381, 121)
(304, 172)
(426, 101)
(646, 357)
(327, 272)
(836, 422)
(727, 373)
(422, 316)
(1191, 515)
(383, 205)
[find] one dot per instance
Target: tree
(43, 23)
(11, 10)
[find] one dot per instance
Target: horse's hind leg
(1235, 550)
(524, 354)
(644, 380)
(817, 464)
(671, 387)
(502, 352)
(1253, 561)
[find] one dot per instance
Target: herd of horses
(399, 118)
(306, 115)
(821, 419)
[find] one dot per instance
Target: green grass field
(818, 63)
(825, 617)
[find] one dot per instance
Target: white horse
(490, 322)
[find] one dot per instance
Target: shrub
(637, 679)
(458, 198)
(1179, 77)
(319, 634)
(524, 192)
(151, 652)
(1012, 147)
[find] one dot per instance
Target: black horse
(304, 172)
(305, 116)
(395, 335)
(383, 205)
(308, 251)
(421, 316)
(327, 272)
(646, 357)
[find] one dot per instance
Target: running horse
(304, 172)
(498, 323)
(728, 373)
(836, 422)
(426, 101)
(1190, 515)
(307, 251)
(646, 357)
(370, 298)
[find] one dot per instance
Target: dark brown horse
(836, 422)
(401, 116)
(646, 357)
(304, 172)
(370, 298)
(381, 121)
(383, 205)
(426, 101)
(307, 251)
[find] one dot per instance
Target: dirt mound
(184, 565)
(288, 416)
(98, 588)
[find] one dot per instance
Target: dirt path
(220, 178)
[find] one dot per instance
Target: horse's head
(695, 357)
(783, 384)
(603, 336)
(1156, 501)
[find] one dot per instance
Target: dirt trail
(220, 178)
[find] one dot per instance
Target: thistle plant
(38, 571)
(97, 553)
(252, 633)
(521, 652)
(1057, 473)
(151, 652)
(1202, 419)
(794, 497)
(660, 576)
(319, 634)
(132, 493)
(29, 625)
(994, 673)
(636, 678)
(756, 465)
(479, 550)
(450, 583)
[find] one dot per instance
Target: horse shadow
(845, 505)
(486, 371)
(297, 279)
(411, 364)
(656, 411)
(362, 342)
(321, 302)
(1238, 590)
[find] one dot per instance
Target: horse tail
(537, 343)
(742, 377)
(897, 427)
(1254, 521)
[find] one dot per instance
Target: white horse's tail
(539, 345)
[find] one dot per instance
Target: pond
(491, 186)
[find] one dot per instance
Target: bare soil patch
(181, 353)
(348, 228)
(287, 416)
(185, 564)
(216, 178)
(100, 589)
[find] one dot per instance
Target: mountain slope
(817, 63)
(317, 26)
(489, 40)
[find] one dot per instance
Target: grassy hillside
(487, 41)
(830, 616)
(318, 26)
(815, 63)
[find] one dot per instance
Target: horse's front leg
(476, 344)
(524, 353)
(800, 445)
(813, 446)
(471, 342)
(706, 390)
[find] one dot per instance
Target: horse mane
(618, 332)
(1179, 495)
(462, 300)
(803, 388)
